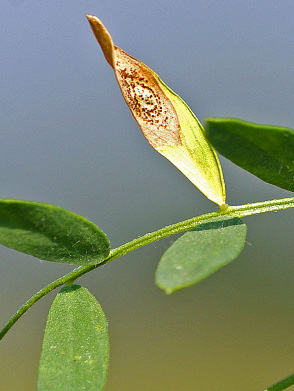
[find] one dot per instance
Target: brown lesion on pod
(150, 107)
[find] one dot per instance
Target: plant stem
(233, 211)
(282, 384)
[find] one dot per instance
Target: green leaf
(51, 233)
(75, 349)
(200, 252)
(263, 150)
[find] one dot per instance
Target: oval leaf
(164, 118)
(263, 150)
(51, 233)
(75, 349)
(200, 252)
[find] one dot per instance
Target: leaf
(75, 350)
(164, 118)
(51, 233)
(200, 252)
(264, 150)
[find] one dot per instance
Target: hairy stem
(282, 384)
(233, 211)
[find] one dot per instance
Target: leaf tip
(167, 290)
(103, 37)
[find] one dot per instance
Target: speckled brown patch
(152, 110)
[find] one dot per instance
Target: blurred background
(68, 138)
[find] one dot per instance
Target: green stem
(233, 211)
(282, 384)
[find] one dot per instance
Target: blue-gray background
(68, 138)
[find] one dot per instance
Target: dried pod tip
(103, 37)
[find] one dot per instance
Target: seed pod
(164, 118)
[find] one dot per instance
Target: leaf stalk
(282, 384)
(231, 211)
